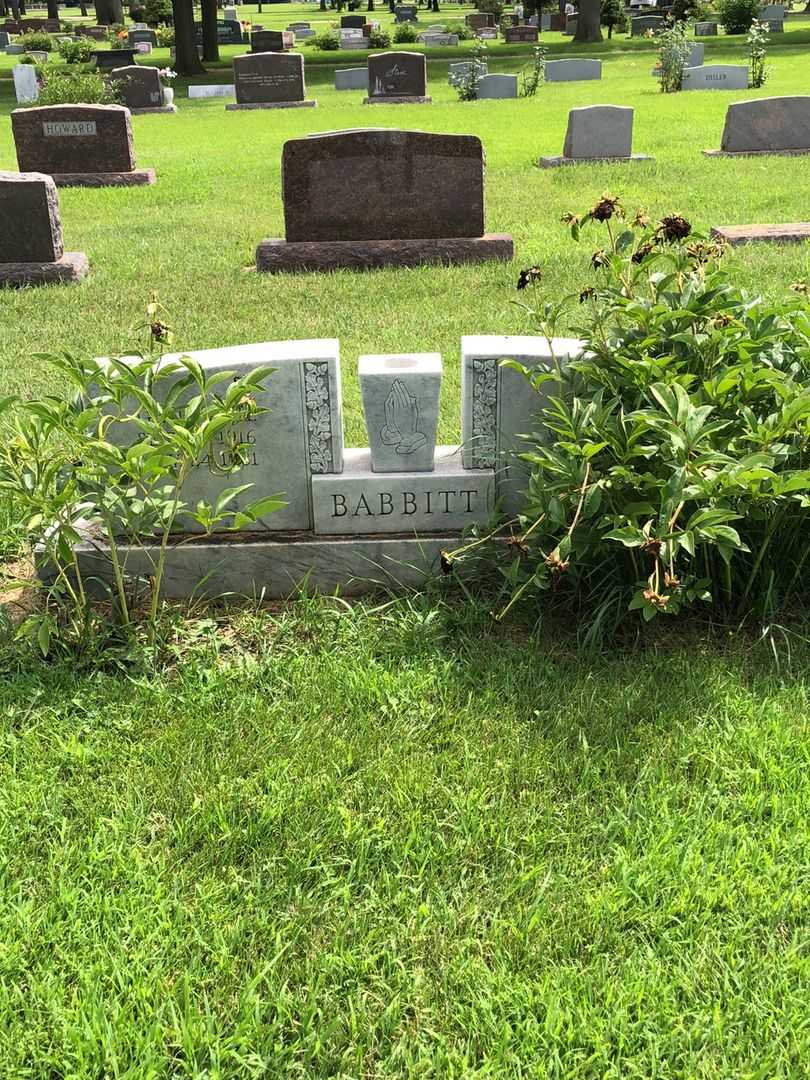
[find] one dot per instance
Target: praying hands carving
(402, 420)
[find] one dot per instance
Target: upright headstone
(716, 77)
(31, 248)
(269, 81)
(477, 20)
(572, 70)
(406, 13)
(352, 22)
(107, 59)
(397, 78)
(141, 89)
(262, 41)
(487, 33)
(774, 125)
(493, 87)
(136, 37)
(571, 23)
(351, 79)
(349, 200)
(78, 145)
(640, 24)
(229, 32)
(5, 39)
(597, 133)
(459, 71)
(26, 84)
(230, 14)
(705, 29)
(515, 34)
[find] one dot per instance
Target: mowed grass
(192, 236)
(404, 843)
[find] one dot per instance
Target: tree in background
(186, 57)
(613, 15)
(589, 17)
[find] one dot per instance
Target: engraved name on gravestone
(139, 86)
(716, 77)
(397, 75)
(59, 139)
(774, 124)
(301, 435)
(364, 185)
(269, 79)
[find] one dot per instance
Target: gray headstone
(397, 74)
(459, 71)
(571, 24)
(716, 77)
(497, 86)
(26, 87)
(487, 33)
(573, 70)
(147, 36)
(262, 78)
(212, 91)
(775, 124)
(15, 50)
(599, 131)
(365, 184)
(5, 39)
(706, 29)
(351, 79)
(30, 229)
(139, 86)
(642, 23)
(772, 12)
(401, 406)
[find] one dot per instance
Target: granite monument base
(158, 109)
(789, 233)
(271, 105)
(396, 99)
(135, 178)
(555, 162)
(280, 256)
(756, 153)
(279, 567)
(72, 267)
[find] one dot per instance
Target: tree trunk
(3, 9)
(15, 10)
(186, 57)
(53, 9)
(208, 14)
(588, 21)
(83, 9)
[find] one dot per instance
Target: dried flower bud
(599, 259)
(160, 332)
(555, 563)
(642, 251)
(529, 277)
(587, 294)
(802, 287)
(607, 207)
(652, 597)
(652, 547)
(672, 228)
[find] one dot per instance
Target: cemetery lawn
(399, 840)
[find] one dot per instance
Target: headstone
(230, 14)
(5, 39)
(545, 21)
(797, 232)
(716, 77)
(213, 90)
(135, 37)
(26, 85)
(573, 70)
(107, 59)
(350, 199)
(229, 32)
(497, 86)
(640, 24)
(695, 59)
(352, 22)
(477, 20)
(79, 145)
(557, 22)
(487, 33)
(269, 81)
(406, 13)
(705, 29)
(295, 26)
(772, 12)
(597, 133)
(271, 41)
(774, 125)
(438, 39)
(401, 407)
(39, 56)
(571, 23)
(775, 26)
(303, 34)
(351, 79)
(15, 50)
(31, 248)
(141, 89)
(397, 78)
(458, 72)
(143, 48)
(516, 34)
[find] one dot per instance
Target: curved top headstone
(383, 184)
(773, 123)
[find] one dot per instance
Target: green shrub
(737, 15)
(758, 38)
(328, 41)
(670, 466)
(165, 36)
(613, 16)
(379, 39)
(76, 88)
(157, 11)
(36, 41)
(674, 50)
(77, 52)
(464, 32)
(492, 7)
(405, 33)
(534, 73)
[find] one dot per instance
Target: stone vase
(168, 95)
(401, 406)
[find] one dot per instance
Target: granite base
(755, 153)
(556, 162)
(136, 178)
(72, 267)
(278, 567)
(279, 256)
(789, 233)
(272, 105)
(392, 100)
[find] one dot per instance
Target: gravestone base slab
(272, 105)
(756, 153)
(72, 267)
(555, 162)
(789, 233)
(394, 99)
(279, 568)
(136, 178)
(279, 256)
(157, 109)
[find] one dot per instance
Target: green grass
(340, 843)
(402, 842)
